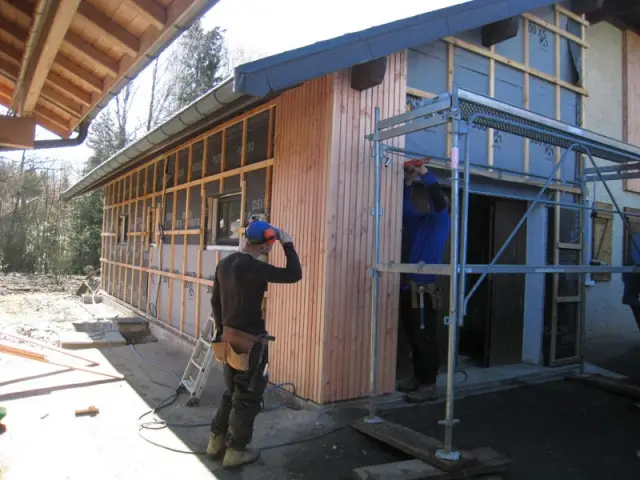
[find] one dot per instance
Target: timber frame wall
(133, 268)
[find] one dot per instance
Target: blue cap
(259, 231)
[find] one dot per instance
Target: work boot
(423, 393)
(236, 458)
(216, 444)
(408, 385)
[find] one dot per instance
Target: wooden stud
(134, 177)
(420, 93)
(578, 18)
(272, 112)
(184, 237)
(203, 203)
(450, 67)
(492, 94)
(555, 29)
(517, 65)
(527, 143)
(152, 233)
(173, 238)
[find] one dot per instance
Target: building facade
(297, 155)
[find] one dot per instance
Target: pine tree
(200, 60)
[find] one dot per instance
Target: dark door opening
(494, 321)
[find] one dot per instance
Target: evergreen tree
(200, 60)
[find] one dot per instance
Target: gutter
(212, 102)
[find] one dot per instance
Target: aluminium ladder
(200, 364)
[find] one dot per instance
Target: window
(602, 239)
(224, 219)
(123, 228)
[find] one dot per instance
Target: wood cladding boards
(631, 96)
(299, 198)
(350, 238)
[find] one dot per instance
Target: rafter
(45, 39)
(150, 11)
(24, 11)
(10, 69)
(122, 37)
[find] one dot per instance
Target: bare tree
(237, 56)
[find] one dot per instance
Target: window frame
(212, 214)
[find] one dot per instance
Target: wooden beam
(84, 76)
(150, 11)
(87, 78)
(91, 53)
(46, 37)
(41, 114)
(17, 132)
(122, 37)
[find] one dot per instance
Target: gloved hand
(285, 237)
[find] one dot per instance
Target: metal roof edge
(159, 45)
(281, 71)
(209, 103)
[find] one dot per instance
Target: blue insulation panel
(508, 149)
(471, 72)
(514, 47)
(427, 71)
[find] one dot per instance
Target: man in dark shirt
(239, 286)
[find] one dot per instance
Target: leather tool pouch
(234, 349)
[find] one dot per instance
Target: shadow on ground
(560, 430)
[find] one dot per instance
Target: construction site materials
(40, 357)
(80, 340)
(199, 365)
(22, 338)
(87, 411)
(480, 461)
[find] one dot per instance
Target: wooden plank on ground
(608, 384)
(411, 442)
(490, 462)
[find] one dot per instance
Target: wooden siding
(631, 97)
(299, 198)
(350, 238)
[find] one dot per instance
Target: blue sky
(266, 27)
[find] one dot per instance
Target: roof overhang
(286, 70)
(61, 61)
(218, 105)
(624, 14)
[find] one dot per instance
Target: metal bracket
(372, 420)
(378, 213)
(451, 456)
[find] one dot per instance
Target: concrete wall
(605, 315)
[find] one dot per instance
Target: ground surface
(558, 430)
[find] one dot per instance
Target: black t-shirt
(239, 285)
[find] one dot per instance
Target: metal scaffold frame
(465, 109)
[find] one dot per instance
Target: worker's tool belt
(235, 347)
(434, 292)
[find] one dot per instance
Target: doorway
(493, 326)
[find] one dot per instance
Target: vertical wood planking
(350, 238)
(299, 192)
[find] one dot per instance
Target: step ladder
(200, 364)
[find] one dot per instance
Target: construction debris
(87, 411)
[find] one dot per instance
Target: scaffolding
(463, 110)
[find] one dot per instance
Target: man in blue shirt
(632, 280)
(426, 224)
